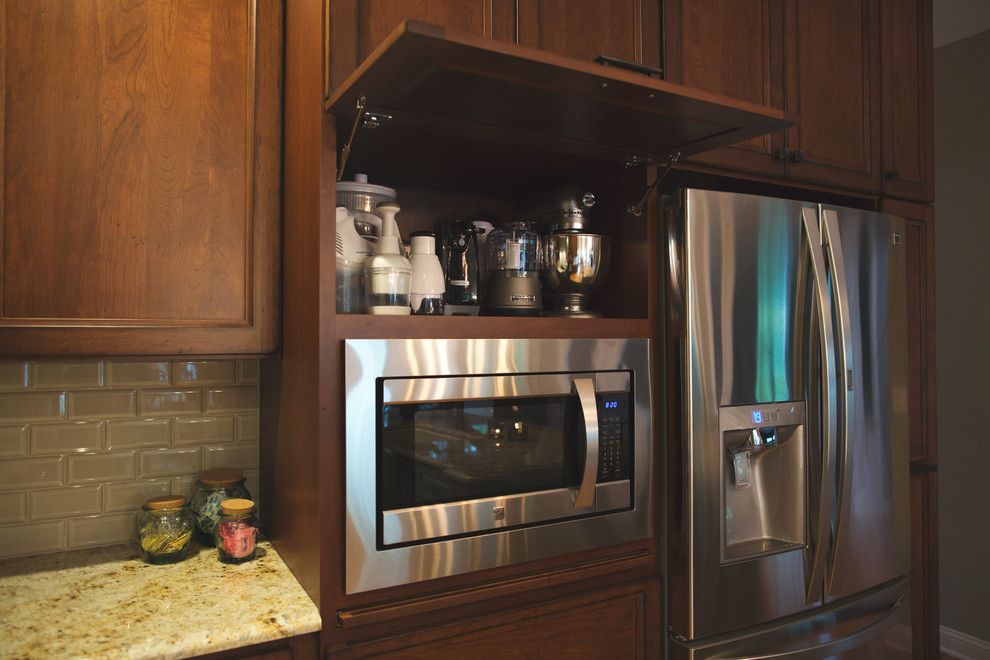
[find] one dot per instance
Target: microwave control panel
(613, 436)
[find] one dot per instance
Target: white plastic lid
(360, 185)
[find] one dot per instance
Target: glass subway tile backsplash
(83, 443)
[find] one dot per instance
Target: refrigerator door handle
(809, 217)
(836, 258)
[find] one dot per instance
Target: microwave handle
(585, 496)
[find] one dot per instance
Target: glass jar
(237, 533)
(165, 529)
(213, 487)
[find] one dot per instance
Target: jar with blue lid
(213, 487)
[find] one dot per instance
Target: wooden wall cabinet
(141, 184)
(583, 29)
(908, 132)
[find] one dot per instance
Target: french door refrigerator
(786, 428)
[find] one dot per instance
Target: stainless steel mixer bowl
(573, 265)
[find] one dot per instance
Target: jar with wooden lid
(237, 533)
(213, 487)
(165, 529)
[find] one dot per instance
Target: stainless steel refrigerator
(787, 522)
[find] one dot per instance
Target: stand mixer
(574, 260)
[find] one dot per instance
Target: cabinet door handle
(783, 153)
(797, 156)
(630, 66)
(893, 175)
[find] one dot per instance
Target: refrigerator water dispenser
(764, 480)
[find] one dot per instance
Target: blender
(513, 271)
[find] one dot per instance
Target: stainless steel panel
(874, 625)
(440, 520)
(745, 304)
(871, 525)
(418, 390)
(365, 361)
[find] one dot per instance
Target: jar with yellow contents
(165, 529)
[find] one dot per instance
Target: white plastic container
(352, 252)
(387, 274)
(427, 287)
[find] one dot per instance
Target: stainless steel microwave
(467, 454)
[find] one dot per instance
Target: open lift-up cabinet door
(444, 89)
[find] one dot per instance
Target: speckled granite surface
(107, 603)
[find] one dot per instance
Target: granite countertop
(107, 603)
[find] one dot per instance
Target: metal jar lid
(359, 195)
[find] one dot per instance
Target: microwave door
(473, 454)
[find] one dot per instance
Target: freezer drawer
(876, 624)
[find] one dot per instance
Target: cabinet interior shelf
(362, 326)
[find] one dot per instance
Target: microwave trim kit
(607, 503)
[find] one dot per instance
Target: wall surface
(84, 443)
(962, 280)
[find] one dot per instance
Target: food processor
(513, 276)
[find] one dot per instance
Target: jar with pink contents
(237, 533)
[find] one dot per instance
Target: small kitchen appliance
(457, 247)
(427, 287)
(387, 274)
(513, 287)
(575, 259)
(362, 199)
(353, 250)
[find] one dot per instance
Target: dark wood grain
(908, 124)
(832, 78)
(920, 257)
(141, 177)
(584, 29)
(622, 622)
(357, 27)
(736, 49)
(924, 566)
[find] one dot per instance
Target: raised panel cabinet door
(616, 623)
(140, 175)
(832, 78)
(357, 27)
(906, 63)
(584, 29)
(924, 566)
(734, 48)
(920, 271)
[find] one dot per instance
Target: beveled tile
(169, 462)
(32, 406)
(73, 437)
(248, 428)
(201, 430)
(113, 466)
(65, 502)
(109, 404)
(13, 508)
(122, 373)
(33, 539)
(20, 473)
(14, 375)
(128, 433)
(248, 372)
(131, 495)
(204, 372)
(14, 441)
(66, 375)
(184, 485)
(171, 402)
(243, 456)
(231, 399)
(102, 530)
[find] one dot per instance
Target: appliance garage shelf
(362, 326)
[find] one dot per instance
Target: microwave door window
(433, 453)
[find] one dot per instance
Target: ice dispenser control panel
(614, 438)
